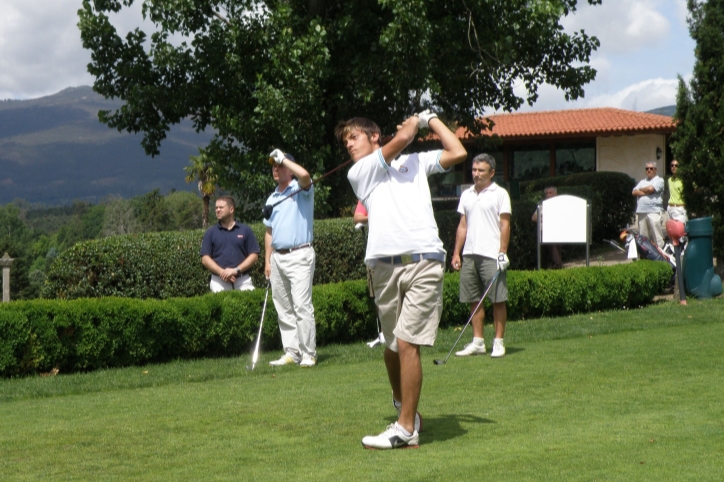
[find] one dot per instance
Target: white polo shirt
(397, 199)
(482, 212)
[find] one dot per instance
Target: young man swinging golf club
(404, 252)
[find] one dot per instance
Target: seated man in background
(228, 250)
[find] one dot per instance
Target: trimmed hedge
(91, 333)
(167, 264)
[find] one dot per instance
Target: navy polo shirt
(229, 247)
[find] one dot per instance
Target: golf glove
(424, 118)
(503, 262)
(276, 156)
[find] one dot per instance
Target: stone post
(6, 261)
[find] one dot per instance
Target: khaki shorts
(475, 275)
(409, 300)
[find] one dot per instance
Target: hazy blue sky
(644, 45)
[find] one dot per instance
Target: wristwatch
(238, 272)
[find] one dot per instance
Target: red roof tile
(577, 123)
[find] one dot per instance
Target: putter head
(439, 362)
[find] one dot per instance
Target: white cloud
(40, 46)
(642, 96)
(621, 25)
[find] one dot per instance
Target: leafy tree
(698, 143)
(272, 73)
(200, 170)
(184, 208)
(151, 212)
(119, 218)
(15, 239)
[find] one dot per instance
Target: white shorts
(242, 283)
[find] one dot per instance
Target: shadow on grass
(446, 427)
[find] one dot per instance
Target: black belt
(412, 258)
(293, 248)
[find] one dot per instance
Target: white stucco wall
(630, 154)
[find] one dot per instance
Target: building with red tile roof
(533, 145)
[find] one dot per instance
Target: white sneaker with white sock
(475, 347)
(393, 437)
(498, 348)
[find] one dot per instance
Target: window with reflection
(575, 157)
(530, 162)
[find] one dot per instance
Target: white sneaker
(392, 438)
(308, 361)
(472, 349)
(286, 359)
(498, 348)
(418, 417)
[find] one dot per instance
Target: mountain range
(53, 150)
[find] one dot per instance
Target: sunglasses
(674, 165)
(650, 168)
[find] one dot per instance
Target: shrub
(90, 333)
(164, 265)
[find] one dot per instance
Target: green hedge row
(91, 333)
(166, 265)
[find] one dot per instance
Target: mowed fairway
(624, 395)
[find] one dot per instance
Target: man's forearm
(248, 262)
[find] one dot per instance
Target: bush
(91, 333)
(167, 264)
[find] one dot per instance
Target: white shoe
(392, 438)
(418, 417)
(308, 361)
(498, 348)
(472, 349)
(286, 359)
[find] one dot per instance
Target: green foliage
(15, 239)
(698, 143)
(167, 264)
(91, 333)
(284, 74)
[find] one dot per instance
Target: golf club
(255, 356)
(266, 211)
(442, 362)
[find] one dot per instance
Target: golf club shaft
(477, 307)
(255, 356)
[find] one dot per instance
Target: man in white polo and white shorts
(484, 230)
(404, 252)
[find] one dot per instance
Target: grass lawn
(624, 395)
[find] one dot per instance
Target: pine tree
(698, 143)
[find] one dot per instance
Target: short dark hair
(228, 200)
(362, 123)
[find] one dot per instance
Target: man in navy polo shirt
(229, 250)
(289, 260)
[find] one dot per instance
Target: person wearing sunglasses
(676, 209)
(650, 205)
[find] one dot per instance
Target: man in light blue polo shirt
(289, 259)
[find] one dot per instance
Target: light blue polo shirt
(292, 221)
